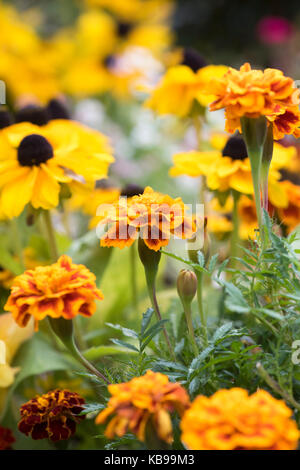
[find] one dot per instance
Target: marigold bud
(186, 285)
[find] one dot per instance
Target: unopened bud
(186, 285)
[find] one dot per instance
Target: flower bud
(186, 285)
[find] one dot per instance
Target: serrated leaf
(146, 320)
(213, 262)
(201, 258)
(91, 408)
(126, 331)
(222, 331)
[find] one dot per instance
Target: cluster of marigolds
(48, 160)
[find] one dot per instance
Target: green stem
(17, 241)
(51, 236)
(154, 303)
(276, 387)
(133, 268)
(200, 306)
(188, 317)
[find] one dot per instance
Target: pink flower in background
(274, 29)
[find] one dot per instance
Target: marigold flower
(290, 214)
(63, 289)
(36, 160)
(233, 420)
(149, 398)
(252, 93)
(156, 216)
(53, 415)
(6, 438)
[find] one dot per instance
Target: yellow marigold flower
(233, 420)
(219, 225)
(11, 338)
(180, 87)
(150, 398)
(252, 93)
(35, 160)
(6, 438)
(63, 289)
(154, 215)
(53, 415)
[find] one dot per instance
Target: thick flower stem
(65, 331)
(133, 278)
(265, 166)
(51, 236)
(188, 317)
(200, 306)
(150, 260)
(254, 132)
(235, 232)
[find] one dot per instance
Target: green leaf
(126, 331)
(95, 352)
(91, 408)
(119, 342)
(222, 331)
(213, 262)
(146, 320)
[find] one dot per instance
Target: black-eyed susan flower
(6, 438)
(63, 289)
(53, 415)
(36, 160)
(180, 87)
(233, 420)
(154, 215)
(253, 93)
(150, 398)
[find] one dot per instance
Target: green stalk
(265, 166)
(50, 235)
(65, 331)
(188, 317)
(200, 306)
(254, 132)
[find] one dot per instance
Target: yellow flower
(35, 160)
(11, 338)
(233, 420)
(63, 289)
(180, 87)
(219, 225)
(254, 93)
(150, 398)
(156, 216)
(290, 214)
(230, 168)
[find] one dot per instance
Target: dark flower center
(5, 118)
(290, 176)
(193, 59)
(235, 148)
(35, 114)
(124, 29)
(57, 110)
(131, 190)
(33, 150)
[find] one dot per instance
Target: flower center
(124, 29)
(33, 150)
(193, 59)
(5, 118)
(290, 176)
(235, 148)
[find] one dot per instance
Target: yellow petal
(17, 193)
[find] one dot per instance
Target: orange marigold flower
(6, 438)
(150, 398)
(233, 420)
(63, 289)
(252, 93)
(53, 415)
(154, 215)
